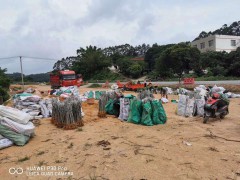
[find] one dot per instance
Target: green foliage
(218, 71)
(64, 63)
(106, 74)
(130, 67)
(135, 70)
(154, 53)
(4, 80)
(94, 85)
(4, 84)
(4, 94)
(233, 29)
(89, 61)
(16, 77)
(178, 59)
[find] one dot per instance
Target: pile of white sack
(36, 107)
(15, 127)
(66, 92)
(222, 89)
(192, 103)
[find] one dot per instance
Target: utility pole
(21, 72)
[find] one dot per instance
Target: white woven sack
(14, 114)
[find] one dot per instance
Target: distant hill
(42, 77)
(233, 29)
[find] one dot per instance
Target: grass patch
(92, 177)
(79, 129)
(41, 163)
(40, 153)
(95, 85)
(26, 158)
(58, 161)
(70, 146)
(87, 146)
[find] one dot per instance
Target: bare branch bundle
(67, 114)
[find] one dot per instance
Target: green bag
(112, 107)
(158, 115)
(22, 94)
(135, 112)
(90, 94)
(130, 96)
(98, 95)
(147, 114)
(16, 138)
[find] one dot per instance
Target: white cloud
(57, 28)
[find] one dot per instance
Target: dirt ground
(183, 148)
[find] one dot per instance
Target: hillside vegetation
(233, 29)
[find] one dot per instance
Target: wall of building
(206, 41)
(220, 43)
(223, 43)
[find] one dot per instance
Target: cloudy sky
(57, 28)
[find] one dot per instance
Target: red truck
(65, 78)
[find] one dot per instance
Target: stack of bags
(36, 107)
(94, 94)
(66, 92)
(15, 127)
(192, 103)
(146, 110)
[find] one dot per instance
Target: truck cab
(65, 78)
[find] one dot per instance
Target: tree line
(4, 84)
(17, 77)
(159, 61)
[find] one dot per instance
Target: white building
(217, 43)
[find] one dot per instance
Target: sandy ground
(134, 151)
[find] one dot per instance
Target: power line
(3, 58)
(29, 57)
(41, 58)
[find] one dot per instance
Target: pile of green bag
(147, 113)
(96, 94)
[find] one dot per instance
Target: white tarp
(14, 114)
(4, 143)
(1, 137)
(25, 129)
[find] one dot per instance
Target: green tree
(153, 54)
(232, 63)
(90, 61)
(135, 70)
(4, 80)
(64, 63)
(4, 84)
(178, 59)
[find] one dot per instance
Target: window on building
(202, 45)
(210, 43)
(233, 42)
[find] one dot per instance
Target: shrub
(4, 94)
(95, 85)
